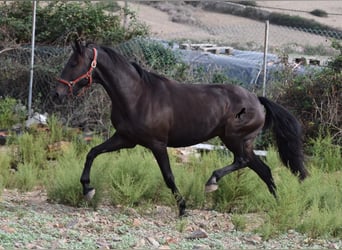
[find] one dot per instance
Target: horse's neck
(121, 82)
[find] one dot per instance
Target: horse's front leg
(160, 153)
(114, 143)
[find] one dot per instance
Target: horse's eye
(73, 64)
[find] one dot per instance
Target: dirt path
(29, 221)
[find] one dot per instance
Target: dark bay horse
(156, 112)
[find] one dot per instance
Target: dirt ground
(194, 23)
(29, 221)
(333, 8)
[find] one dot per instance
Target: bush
(336, 63)
(11, 112)
(5, 165)
(60, 21)
(151, 54)
(25, 178)
(318, 12)
(325, 154)
(314, 98)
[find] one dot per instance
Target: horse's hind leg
(237, 148)
(243, 156)
(212, 185)
(264, 173)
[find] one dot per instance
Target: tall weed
(5, 161)
(325, 154)
(134, 177)
(312, 207)
(25, 178)
(31, 150)
(63, 182)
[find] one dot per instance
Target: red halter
(87, 76)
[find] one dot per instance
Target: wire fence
(245, 40)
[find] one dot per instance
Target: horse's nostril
(56, 97)
(54, 94)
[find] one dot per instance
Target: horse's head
(77, 76)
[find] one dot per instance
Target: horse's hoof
(211, 188)
(88, 196)
(184, 214)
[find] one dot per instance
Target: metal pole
(32, 58)
(265, 58)
(125, 14)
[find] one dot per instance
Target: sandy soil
(333, 8)
(28, 221)
(204, 26)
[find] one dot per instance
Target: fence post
(265, 58)
(32, 58)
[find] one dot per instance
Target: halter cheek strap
(87, 75)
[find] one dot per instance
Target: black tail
(288, 134)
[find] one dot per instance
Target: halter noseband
(87, 76)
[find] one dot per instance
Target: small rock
(200, 247)
(164, 247)
(333, 246)
(136, 223)
(8, 229)
(198, 234)
(140, 244)
(255, 239)
(153, 242)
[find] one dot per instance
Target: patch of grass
(64, 180)
(11, 112)
(134, 177)
(311, 207)
(239, 222)
(25, 178)
(319, 12)
(55, 128)
(63, 185)
(325, 154)
(5, 166)
(31, 149)
(181, 225)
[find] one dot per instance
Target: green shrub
(31, 150)
(336, 63)
(60, 21)
(155, 56)
(11, 112)
(64, 186)
(25, 178)
(325, 154)
(314, 98)
(318, 12)
(135, 177)
(248, 3)
(5, 161)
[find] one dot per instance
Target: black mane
(115, 56)
(145, 75)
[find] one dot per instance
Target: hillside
(176, 21)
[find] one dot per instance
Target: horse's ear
(78, 47)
